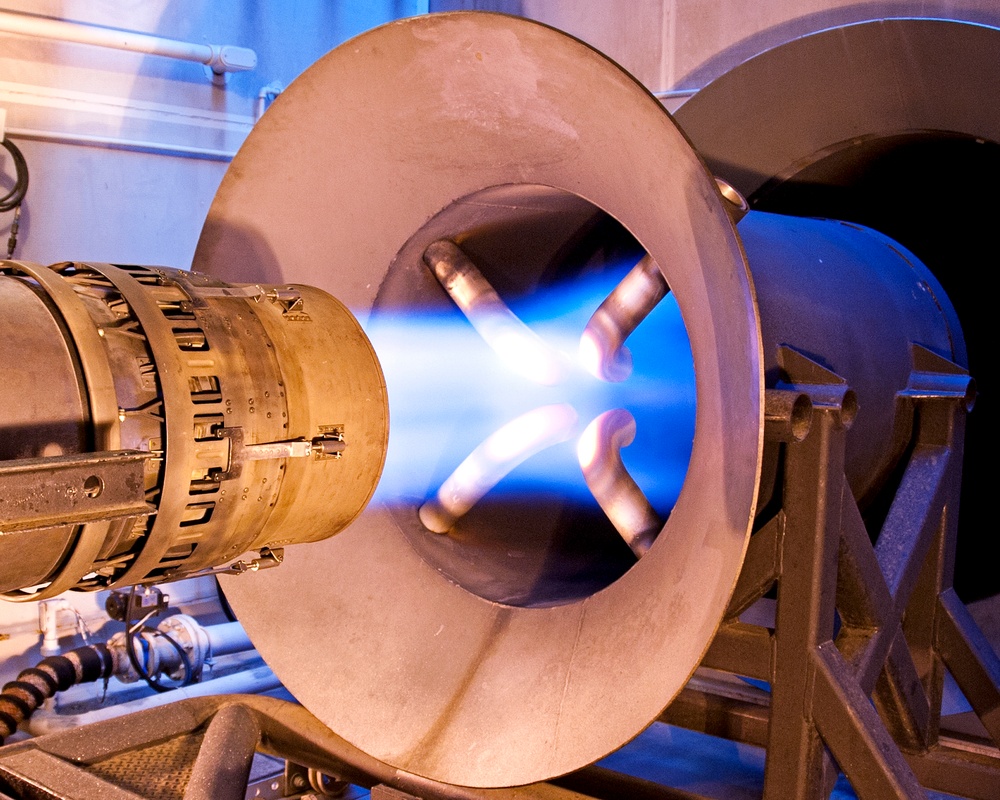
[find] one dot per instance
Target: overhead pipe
(219, 58)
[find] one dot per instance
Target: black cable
(15, 196)
(132, 632)
(13, 199)
(188, 678)
(130, 646)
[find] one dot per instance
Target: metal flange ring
(335, 187)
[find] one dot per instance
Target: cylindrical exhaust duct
(524, 643)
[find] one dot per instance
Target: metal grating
(159, 772)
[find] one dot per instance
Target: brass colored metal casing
(257, 416)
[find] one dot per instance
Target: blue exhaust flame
(448, 391)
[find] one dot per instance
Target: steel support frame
(862, 633)
(855, 656)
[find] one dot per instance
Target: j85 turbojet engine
(158, 423)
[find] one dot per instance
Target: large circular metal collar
(772, 116)
(346, 168)
(884, 123)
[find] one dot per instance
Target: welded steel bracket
(856, 653)
(57, 490)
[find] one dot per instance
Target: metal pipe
(119, 143)
(736, 203)
(267, 95)
(787, 415)
(675, 94)
(200, 644)
(220, 58)
(221, 770)
(602, 343)
(229, 637)
(498, 454)
(614, 489)
(48, 624)
(519, 347)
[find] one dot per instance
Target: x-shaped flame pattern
(602, 352)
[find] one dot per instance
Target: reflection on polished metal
(599, 452)
(736, 203)
(502, 451)
(602, 343)
(158, 423)
(520, 348)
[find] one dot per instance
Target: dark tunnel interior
(934, 193)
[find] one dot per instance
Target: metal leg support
(862, 635)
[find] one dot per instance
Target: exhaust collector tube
(602, 343)
(854, 301)
(599, 454)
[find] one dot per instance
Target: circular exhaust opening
(383, 134)
(465, 404)
(910, 152)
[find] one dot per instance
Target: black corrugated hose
(35, 685)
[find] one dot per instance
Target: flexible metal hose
(35, 685)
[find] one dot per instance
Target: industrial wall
(126, 150)
(680, 45)
(158, 131)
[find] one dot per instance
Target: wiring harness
(134, 630)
